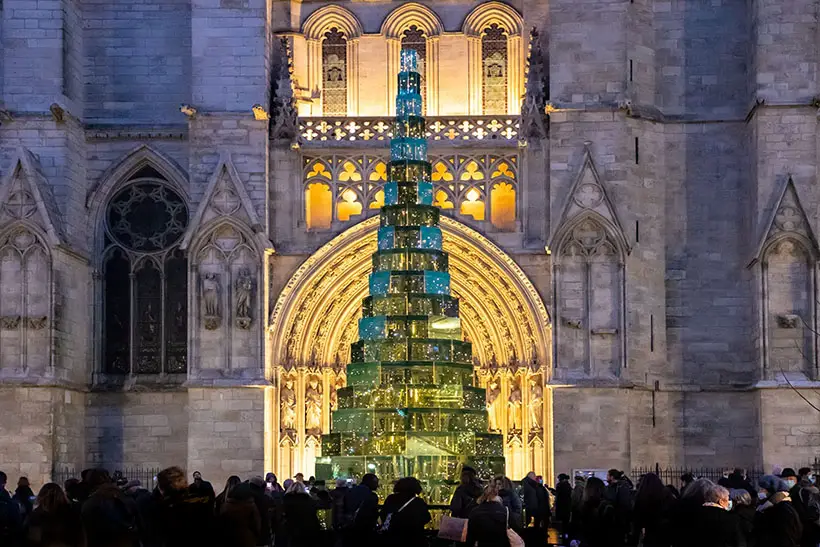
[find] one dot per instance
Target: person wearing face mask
(716, 524)
(777, 523)
(806, 501)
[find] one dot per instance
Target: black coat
(715, 527)
(536, 499)
(184, 520)
(563, 500)
(301, 523)
(746, 522)
(11, 522)
(488, 526)
(110, 518)
(59, 528)
(364, 503)
(464, 500)
(778, 526)
(512, 503)
(406, 525)
(597, 525)
(238, 523)
(654, 517)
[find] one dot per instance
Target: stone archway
(314, 322)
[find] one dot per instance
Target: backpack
(386, 524)
(811, 504)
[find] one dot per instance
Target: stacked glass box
(410, 407)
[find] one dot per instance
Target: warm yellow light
(502, 210)
(349, 206)
(318, 206)
(473, 195)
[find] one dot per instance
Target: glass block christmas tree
(410, 407)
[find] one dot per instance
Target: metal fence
(672, 475)
(146, 475)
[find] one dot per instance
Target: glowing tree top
(410, 407)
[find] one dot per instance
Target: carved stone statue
(536, 405)
(313, 406)
(210, 300)
(334, 394)
(514, 408)
(287, 398)
(494, 405)
(244, 287)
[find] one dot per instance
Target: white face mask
(791, 483)
(729, 507)
(762, 495)
(812, 478)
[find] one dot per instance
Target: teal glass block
(430, 237)
(371, 328)
(387, 236)
(379, 283)
(408, 60)
(436, 283)
(425, 193)
(391, 193)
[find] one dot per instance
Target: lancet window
(494, 70)
(145, 287)
(334, 73)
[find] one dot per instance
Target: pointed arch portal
(315, 317)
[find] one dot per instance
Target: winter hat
(257, 481)
(772, 484)
(788, 472)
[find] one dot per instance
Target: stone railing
(502, 129)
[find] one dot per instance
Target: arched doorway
(314, 322)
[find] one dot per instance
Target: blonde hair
(172, 479)
(490, 493)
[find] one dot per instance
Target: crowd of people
(778, 511)
(98, 510)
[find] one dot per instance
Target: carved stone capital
(9, 322)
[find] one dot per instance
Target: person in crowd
(24, 496)
(563, 501)
(777, 523)
(53, 522)
(744, 509)
(361, 510)
(692, 497)
(10, 519)
(654, 505)
(714, 525)
(272, 485)
(110, 518)
(806, 501)
(337, 500)
(576, 504)
(737, 480)
(597, 524)
(404, 515)
(536, 502)
(71, 487)
(488, 522)
(146, 511)
(202, 488)
(286, 484)
(183, 520)
(238, 522)
(299, 477)
(232, 482)
(619, 494)
(466, 494)
(509, 497)
(301, 526)
(265, 507)
(805, 476)
(685, 480)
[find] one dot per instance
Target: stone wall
(137, 429)
(227, 432)
(789, 427)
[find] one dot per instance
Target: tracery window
(145, 288)
(334, 73)
(494, 70)
(480, 187)
(413, 38)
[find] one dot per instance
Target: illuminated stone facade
(186, 225)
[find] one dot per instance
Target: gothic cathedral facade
(189, 198)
